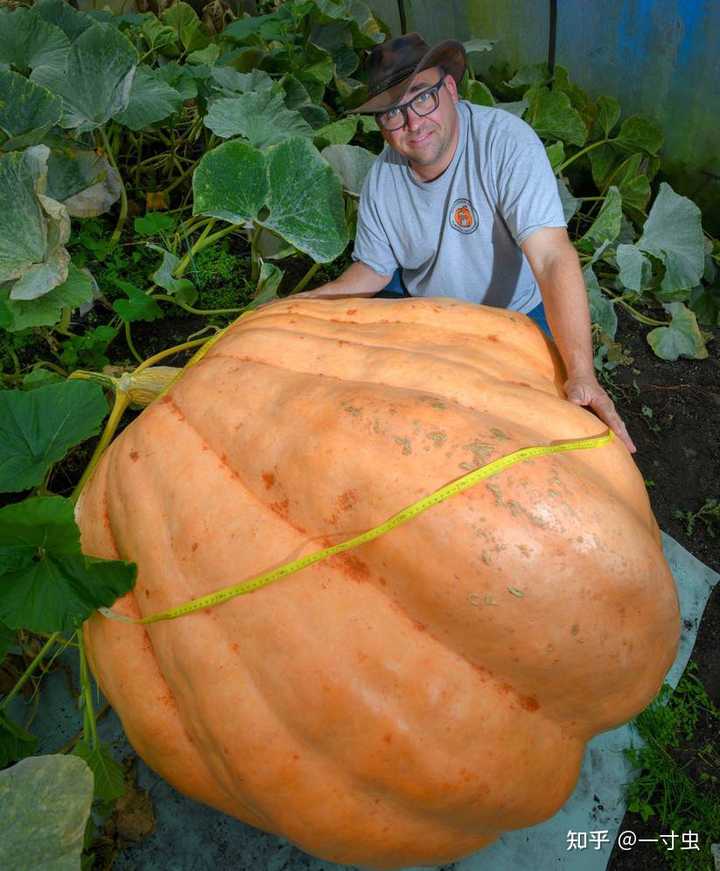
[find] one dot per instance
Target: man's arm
(357, 280)
(555, 265)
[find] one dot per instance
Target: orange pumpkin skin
(407, 702)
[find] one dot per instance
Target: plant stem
(89, 724)
(304, 280)
(128, 339)
(254, 256)
(122, 400)
(580, 154)
(114, 239)
(197, 311)
(203, 242)
(27, 674)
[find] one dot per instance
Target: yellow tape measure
(440, 495)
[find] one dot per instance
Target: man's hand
(587, 392)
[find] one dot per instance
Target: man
(465, 202)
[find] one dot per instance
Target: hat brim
(449, 54)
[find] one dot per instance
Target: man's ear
(452, 87)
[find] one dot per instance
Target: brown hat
(393, 65)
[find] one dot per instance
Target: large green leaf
(15, 743)
(27, 111)
(640, 133)
(182, 288)
(96, 81)
(231, 82)
(45, 803)
(602, 311)
(151, 100)
(607, 116)
(46, 583)
(305, 200)
(137, 305)
(40, 278)
(83, 181)
(479, 93)
(62, 15)
(606, 227)
(673, 233)
(45, 311)
(186, 24)
(552, 114)
(351, 164)
(635, 268)
(109, 780)
(231, 183)
(26, 41)
(632, 183)
(8, 637)
(681, 339)
(337, 133)
(261, 117)
(38, 428)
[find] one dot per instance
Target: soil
(672, 411)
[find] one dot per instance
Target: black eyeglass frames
(423, 103)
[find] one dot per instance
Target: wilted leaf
(151, 100)
(96, 80)
(351, 164)
(45, 804)
(27, 111)
(262, 118)
(38, 428)
(681, 339)
(46, 583)
(108, 776)
(673, 233)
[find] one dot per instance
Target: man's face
(428, 142)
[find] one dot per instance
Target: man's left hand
(587, 392)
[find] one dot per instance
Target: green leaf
(231, 82)
(27, 111)
(602, 160)
(305, 200)
(40, 377)
(556, 154)
(673, 233)
(635, 268)
(552, 115)
(45, 804)
(180, 78)
(479, 93)
(632, 183)
(182, 288)
(270, 278)
(338, 133)
(151, 100)
(606, 227)
(608, 114)
(639, 132)
(38, 428)
(207, 55)
(83, 181)
(109, 781)
(138, 306)
(351, 164)
(262, 118)
(8, 639)
(15, 743)
(45, 311)
(705, 303)
(517, 108)
(681, 339)
(46, 583)
(602, 311)
(570, 203)
(231, 183)
(96, 81)
(186, 24)
(62, 15)
(26, 41)
(154, 224)
(530, 76)
(89, 349)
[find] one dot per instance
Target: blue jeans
(395, 289)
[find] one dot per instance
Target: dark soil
(672, 411)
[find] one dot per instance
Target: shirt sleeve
(528, 194)
(372, 246)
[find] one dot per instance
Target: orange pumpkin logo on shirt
(463, 216)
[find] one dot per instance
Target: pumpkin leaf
(185, 22)
(45, 311)
(230, 182)
(109, 780)
(27, 111)
(305, 200)
(182, 288)
(552, 115)
(95, 83)
(556, 154)
(673, 233)
(139, 306)
(602, 311)
(479, 93)
(46, 583)
(262, 118)
(639, 133)
(45, 803)
(608, 114)
(681, 339)
(570, 203)
(26, 41)
(606, 227)
(62, 15)
(635, 268)
(15, 743)
(270, 278)
(337, 133)
(8, 638)
(351, 164)
(38, 428)
(83, 181)
(151, 100)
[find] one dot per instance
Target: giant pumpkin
(406, 702)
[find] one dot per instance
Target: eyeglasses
(422, 104)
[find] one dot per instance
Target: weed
(708, 513)
(679, 787)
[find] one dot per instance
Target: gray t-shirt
(459, 235)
